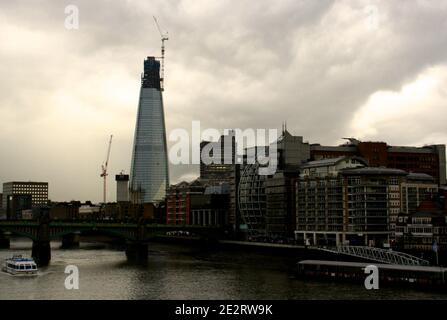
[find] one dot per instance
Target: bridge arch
(25, 234)
(55, 235)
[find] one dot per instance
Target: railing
(105, 224)
(379, 255)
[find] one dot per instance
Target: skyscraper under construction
(149, 169)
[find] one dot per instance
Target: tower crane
(164, 37)
(104, 169)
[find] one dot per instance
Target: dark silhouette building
(15, 194)
(222, 166)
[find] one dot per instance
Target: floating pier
(427, 276)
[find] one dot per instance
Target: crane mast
(104, 170)
(164, 37)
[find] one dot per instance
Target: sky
(374, 70)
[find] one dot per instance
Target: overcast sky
(375, 70)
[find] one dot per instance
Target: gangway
(377, 254)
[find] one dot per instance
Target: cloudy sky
(375, 70)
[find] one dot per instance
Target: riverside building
(37, 190)
(342, 201)
(430, 159)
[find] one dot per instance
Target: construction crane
(104, 169)
(164, 37)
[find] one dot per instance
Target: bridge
(136, 235)
(378, 255)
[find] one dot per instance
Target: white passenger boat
(18, 265)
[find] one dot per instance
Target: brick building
(419, 230)
(179, 199)
(198, 203)
(429, 159)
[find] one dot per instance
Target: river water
(178, 272)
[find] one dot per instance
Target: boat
(18, 265)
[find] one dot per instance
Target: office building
(37, 190)
(266, 203)
(179, 200)
(252, 200)
(122, 187)
(211, 208)
(341, 201)
(265, 206)
(149, 176)
(65, 210)
(419, 230)
(429, 159)
(280, 214)
(196, 203)
(16, 205)
(222, 163)
(292, 151)
(417, 188)
(234, 216)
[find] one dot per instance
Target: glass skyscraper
(149, 176)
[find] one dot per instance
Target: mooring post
(137, 250)
(4, 241)
(41, 246)
(70, 241)
(41, 252)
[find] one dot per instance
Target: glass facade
(149, 169)
(252, 199)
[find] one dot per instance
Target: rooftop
(330, 162)
(420, 177)
(374, 171)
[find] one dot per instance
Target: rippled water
(178, 272)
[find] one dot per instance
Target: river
(178, 272)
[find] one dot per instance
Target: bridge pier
(4, 241)
(70, 241)
(137, 251)
(41, 252)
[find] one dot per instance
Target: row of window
(22, 266)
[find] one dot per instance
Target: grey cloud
(229, 64)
